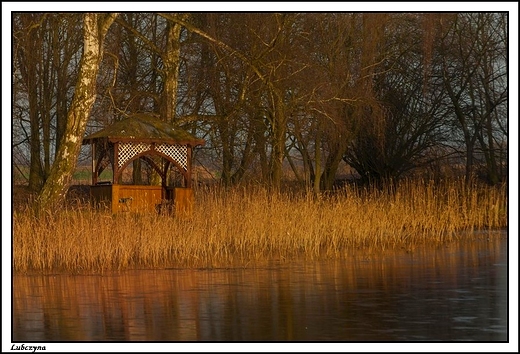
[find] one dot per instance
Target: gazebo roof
(144, 127)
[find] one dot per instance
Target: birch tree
(95, 28)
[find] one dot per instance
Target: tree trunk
(245, 161)
(28, 57)
(171, 61)
(35, 169)
(53, 193)
(227, 154)
(317, 158)
(334, 158)
(279, 129)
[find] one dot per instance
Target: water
(456, 292)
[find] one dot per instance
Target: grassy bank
(242, 226)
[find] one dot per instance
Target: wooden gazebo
(161, 145)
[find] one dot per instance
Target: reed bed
(243, 226)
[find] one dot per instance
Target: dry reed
(243, 226)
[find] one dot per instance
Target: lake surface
(455, 292)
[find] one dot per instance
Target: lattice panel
(128, 151)
(179, 153)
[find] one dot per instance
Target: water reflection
(450, 293)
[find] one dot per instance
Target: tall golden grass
(241, 226)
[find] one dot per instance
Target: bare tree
(219, 84)
(395, 134)
(95, 28)
(45, 47)
(376, 91)
(266, 55)
(474, 74)
(26, 50)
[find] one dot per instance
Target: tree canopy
(274, 95)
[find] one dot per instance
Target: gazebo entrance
(144, 138)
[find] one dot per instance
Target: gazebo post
(115, 168)
(94, 164)
(188, 168)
